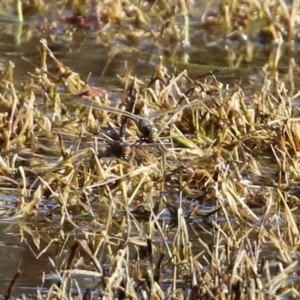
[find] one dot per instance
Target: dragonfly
(107, 148)
(145, 124)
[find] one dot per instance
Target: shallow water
(85, 55)
(15, 253)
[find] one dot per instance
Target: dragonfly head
(150, 132)
(126, 151)
(119, 149)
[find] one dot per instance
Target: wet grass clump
(179, 187)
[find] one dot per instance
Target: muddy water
(84, 55)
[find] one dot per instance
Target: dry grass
(184, 189)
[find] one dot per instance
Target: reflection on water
(84, 54)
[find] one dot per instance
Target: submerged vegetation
(174, 185)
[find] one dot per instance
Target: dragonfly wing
(92, 104)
